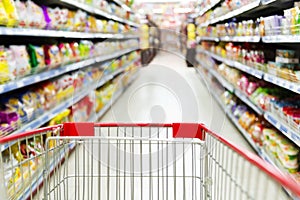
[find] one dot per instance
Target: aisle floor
(168, 91)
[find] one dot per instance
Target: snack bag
(22, 60)
(64, 21)
(47, 92)
(13, 104)
(75, 51)
(22, 12)
(28, 104)
(11, 64)
(47, 17)
(65, 54)
(80, 21)
(52, 56)
(3, 15)
(69, 25)
(37, 58)
(11, 12)
(36, 18)
(92, 24)
(4, 67)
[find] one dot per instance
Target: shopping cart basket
(135, 161)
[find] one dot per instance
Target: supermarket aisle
(167, 91)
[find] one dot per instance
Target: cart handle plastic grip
(188, 130)
(78, 129)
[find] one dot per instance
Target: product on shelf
(226, 7)
(60, 118)
(19, 61)
(286, 65)
(82, 111)
(30, 15)
(282, 149)
(34, 101)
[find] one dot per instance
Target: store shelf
(206, 38)
(233, 13)
(54, 163)
(295, 87)
(244, 133)
(283, 127)
(234, 90)
(92, 10)
(123, 5)
(29, 80)
(47, 116)
(114, 98)
(64, 34)
(247, 101)
(249, 70)
(266, 2)
(253, 39)
(208, 7)
(40, 179)
(98, 115)
(223, 81)
(281, 39)
(221, 59)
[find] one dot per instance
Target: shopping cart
(134, 161)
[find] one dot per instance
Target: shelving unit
(283, 127)
(123, 5)
(256, 73)
(208, 7)
(47, 116)
(251, 11)
(258, 149)
(63, 34)
(92, 10)
(233, 13)
(234, 90)
(87, 83)
(36, 78)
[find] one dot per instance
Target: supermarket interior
(150, 99)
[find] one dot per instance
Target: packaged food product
(22, 59)
(11, 12)
(47, 92)
(52, 56)
(288, 154)
(37, 58)
(270, 140)
(247, 119)
(12, 64)
(60, 118)
(5, 72)
(285, 53)
(13, 104)
(256, 132)
(36, 17)
(3, 15)
(22, 12)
